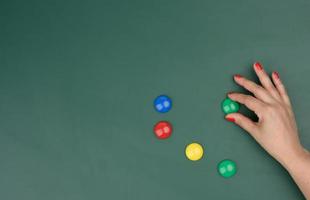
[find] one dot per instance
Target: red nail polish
(228, 93)
(258, 66)
(276, 75)
(238, 76)
(230, 119)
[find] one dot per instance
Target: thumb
(244, 122)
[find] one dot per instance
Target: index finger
(249, 101)
(255, 89)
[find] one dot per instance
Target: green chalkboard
(78, 80)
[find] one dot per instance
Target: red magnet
(163, 130)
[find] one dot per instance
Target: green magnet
(230, 106)
(227, 168)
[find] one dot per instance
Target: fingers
(257, 90)
(249, 101)
(280, 87)
(244, 122)
(265, 80)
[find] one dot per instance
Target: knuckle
(258, 88)
(239, 97)
(281, 109)
(250, 100)
(269, 87)
(247, 99)
(278, 107)
(255, 88)
(275, 110)
(269, 109)
(249, 86)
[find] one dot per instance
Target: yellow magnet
(194, 151)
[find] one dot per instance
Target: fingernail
(258, 66)
(228, 93)
(238, 76)
(276, 75)
(230, 119)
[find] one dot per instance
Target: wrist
(300, 155)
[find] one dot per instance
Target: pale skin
(276, 130)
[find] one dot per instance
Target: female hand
(276, 129)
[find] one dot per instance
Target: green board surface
(78, 79)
